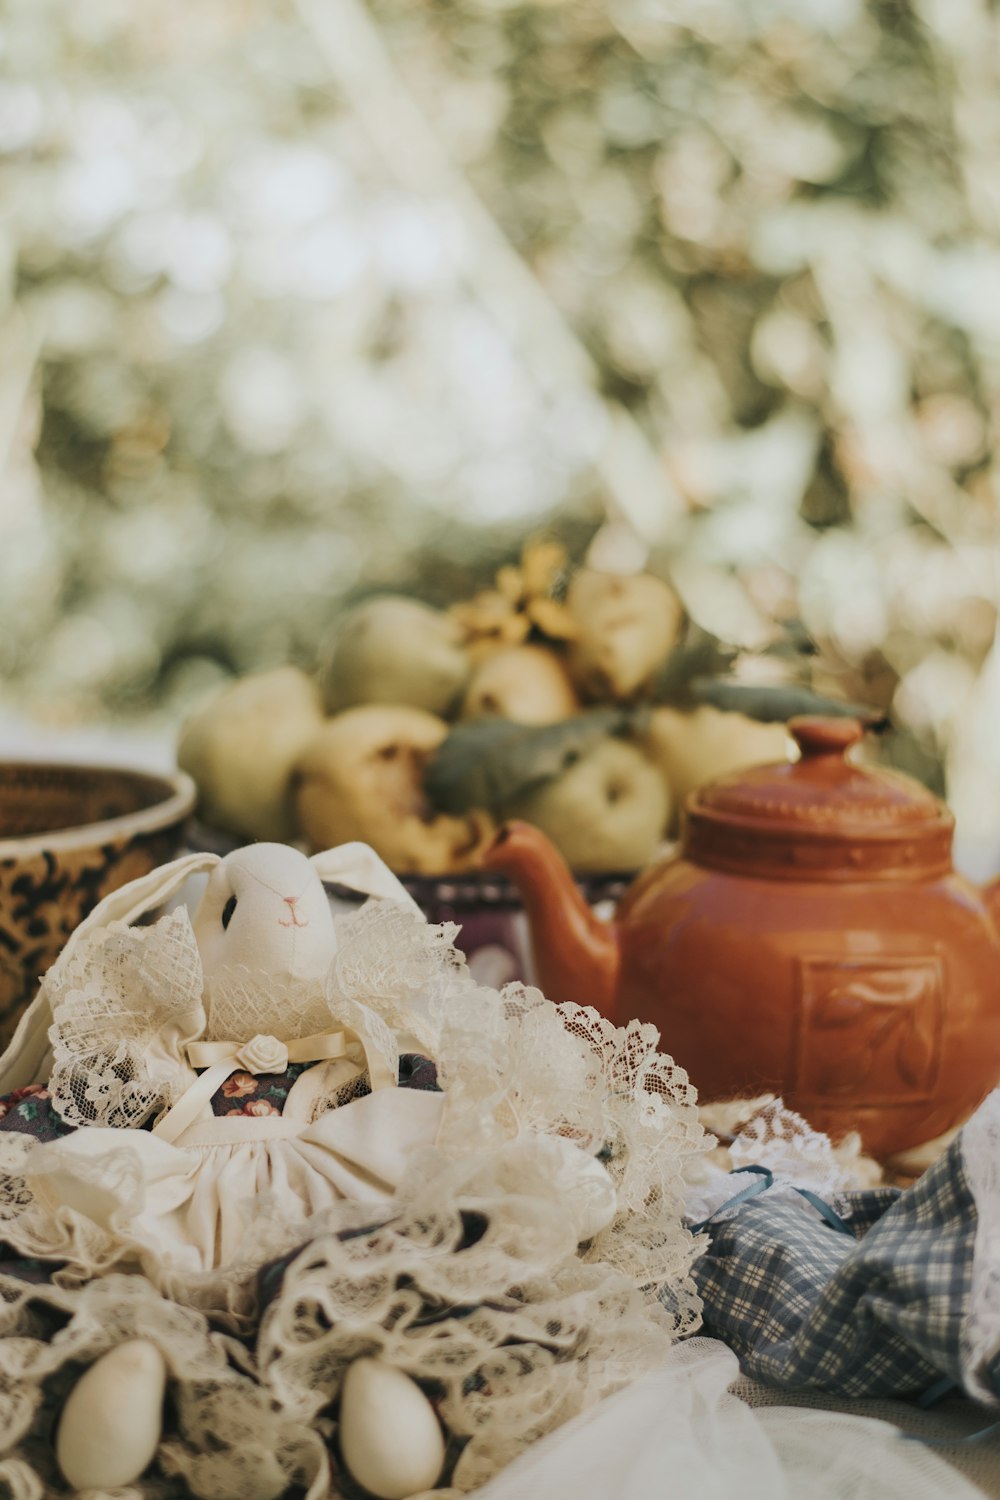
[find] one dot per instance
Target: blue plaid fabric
(876, 1312)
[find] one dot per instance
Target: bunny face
(264, 908)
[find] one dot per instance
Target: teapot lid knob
(816, 735)
(821, 818)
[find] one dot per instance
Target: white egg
(110, 1426)
(390, 1439)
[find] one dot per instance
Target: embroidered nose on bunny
(296, 921)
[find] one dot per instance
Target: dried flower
(522, 600)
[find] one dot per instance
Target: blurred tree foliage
(261, 369)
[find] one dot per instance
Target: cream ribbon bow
(262, 1054)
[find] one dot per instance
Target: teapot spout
(576, 954)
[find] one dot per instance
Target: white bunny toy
(150, 1037)
(264, 909)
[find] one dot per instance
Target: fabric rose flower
(30, 1091)
(238, 1085)
(259, 1107)
(264, 1054)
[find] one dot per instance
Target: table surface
(951, 1420)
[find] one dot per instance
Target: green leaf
(776, 703)
(701, 655)
(492, 762)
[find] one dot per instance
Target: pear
(361, 777)
(240, 747)
(527, 684)
(691, 749)
(626, 625)
(396, 650)
(606, 812)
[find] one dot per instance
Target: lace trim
(513, 1066)
(243, 1004)
(799, 1156)
(16, 1198)
(404, 968)
(123, 1005)
(227, 1438)
(765, 1132)
(515, 1334)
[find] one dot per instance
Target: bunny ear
(141, 896)
(359, 868)
(28, 1052)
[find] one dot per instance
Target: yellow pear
(607, 812)
(396, 650)
(528, 684)
(626, 625)
(240, 747)
(693, 748)
(361, 777)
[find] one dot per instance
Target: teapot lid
(821, 817)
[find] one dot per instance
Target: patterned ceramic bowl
(70, 834)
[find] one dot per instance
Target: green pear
(396, 650)
(691, 749)
(606, 812)
(527, 684)
(626, 625)
(361, 777)
(240, 747)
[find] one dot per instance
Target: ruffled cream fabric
(228, 1440)
(186, 1208)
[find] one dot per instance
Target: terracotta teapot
(811, 938)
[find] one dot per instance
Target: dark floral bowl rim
(174, 806)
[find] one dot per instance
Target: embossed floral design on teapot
(811, 938)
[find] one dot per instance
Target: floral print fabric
(256, 1094)
(29, 1110)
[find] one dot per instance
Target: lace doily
(123, 1006)
(405, 969)
(228, 1440)
(765, 1132)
